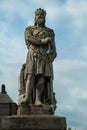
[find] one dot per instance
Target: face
(40, 18)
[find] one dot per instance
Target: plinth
(34, 122)
(35, 109)
(34, 117)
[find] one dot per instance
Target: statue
(36, 76)
(22, 80)
(36, 100)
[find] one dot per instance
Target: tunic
(37, 61)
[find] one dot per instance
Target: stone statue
(22, 80)
(36, 100)
(36, 77)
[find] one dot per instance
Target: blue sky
(68, 18)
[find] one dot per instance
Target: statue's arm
(30, 39)
(52, 55)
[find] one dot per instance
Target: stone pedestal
(33, 122)
(1, 117)
(34, 117)
(35, 109)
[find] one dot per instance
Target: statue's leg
(39, 90)
(29, 88)
(51, 90)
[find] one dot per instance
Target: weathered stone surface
(7, 106)
(1, 122)
(34, 122)
(36, 102)
(36, 75)
(34, 109)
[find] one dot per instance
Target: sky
(68, 19)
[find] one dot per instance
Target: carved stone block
(34, 109)
(34, 122)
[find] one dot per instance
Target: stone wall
(7, 109)
(1, 122)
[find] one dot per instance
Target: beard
(40, 21)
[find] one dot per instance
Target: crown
(40, 11)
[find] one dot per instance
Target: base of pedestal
(34, 122)
(35, 109)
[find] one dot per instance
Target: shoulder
(30, 27)
(49, 29)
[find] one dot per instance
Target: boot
(38, 97)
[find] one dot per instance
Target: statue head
(40, 17)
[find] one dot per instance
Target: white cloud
(77, 11)
(22, 8)
(79, 93)
(12, 9)
(83, 51)
(70, 75)
(54, 13)
(70, 86)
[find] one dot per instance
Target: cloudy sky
(68, 18)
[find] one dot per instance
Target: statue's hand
(46, 40)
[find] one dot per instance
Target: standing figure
(40, 41)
